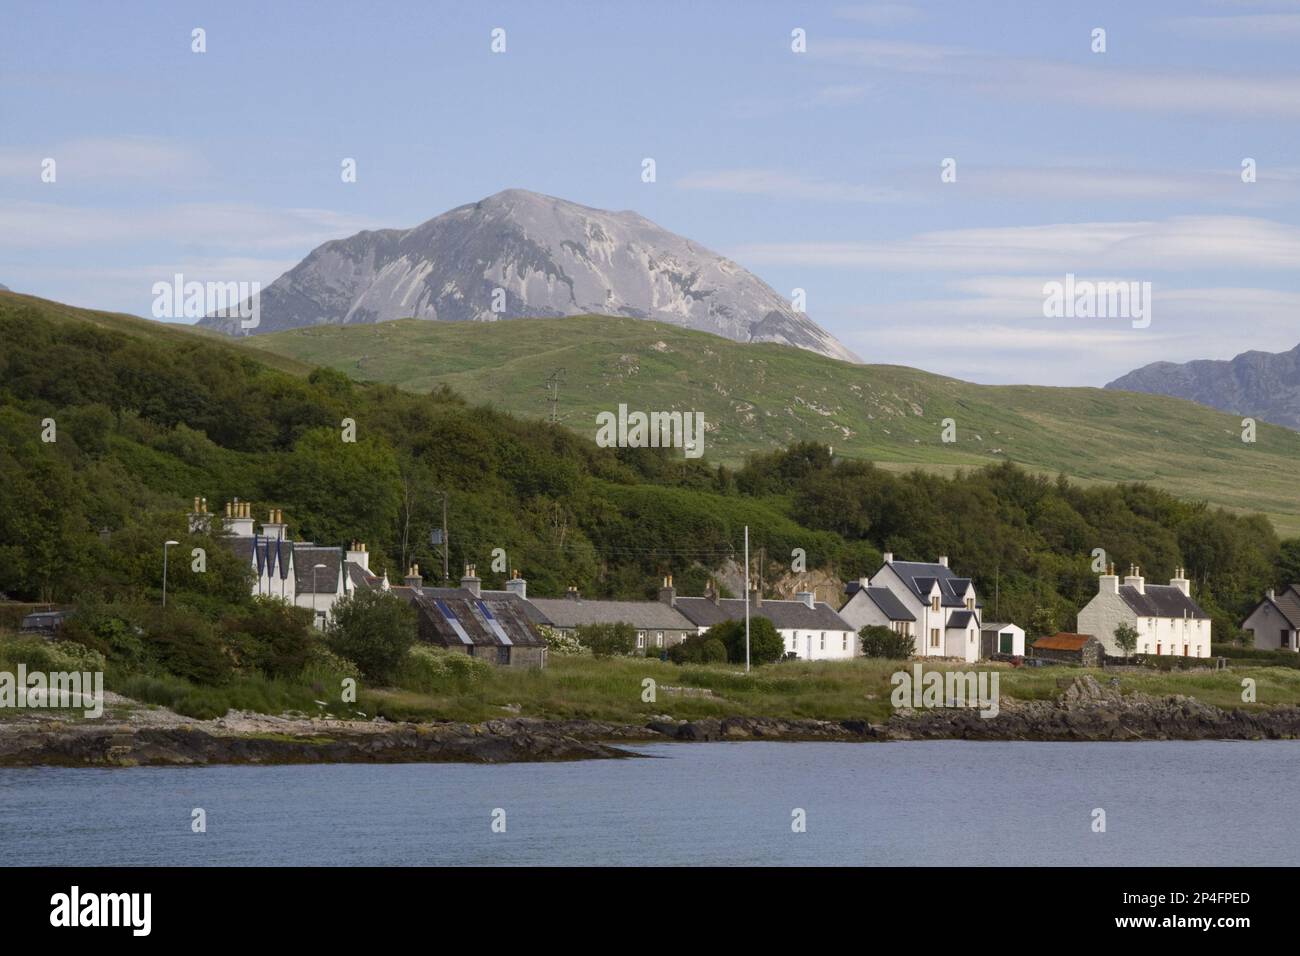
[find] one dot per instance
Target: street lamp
(315, 589)
(166, 545)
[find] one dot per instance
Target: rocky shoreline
(1086, 711)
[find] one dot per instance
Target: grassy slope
(761, 396)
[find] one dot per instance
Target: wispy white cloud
(215, 225)
(784, 185)
(1182, 242)
(106, 159)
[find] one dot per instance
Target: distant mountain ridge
(519, 254)
(1263, 385)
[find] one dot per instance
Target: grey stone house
(1275, 621)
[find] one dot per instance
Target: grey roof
(920, 576)
(1160, 600)
(358, 576)
(889, 604)
(961, 618)
(523, 605)
(455, 617)
(305, 559)
(784, 615)
(996, 625)
(1287, 604)
(643, 615)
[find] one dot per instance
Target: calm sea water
(944, 802)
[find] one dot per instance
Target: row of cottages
(658, 625)
(305, 574)
(501, 627)
(1275, 621)
(811, 629)
(938, 609)
(1167, 619)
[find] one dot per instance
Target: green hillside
(761, 397)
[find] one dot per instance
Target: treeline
(140, 424)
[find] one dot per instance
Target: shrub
(879, 641)
(607, 640)
(429, 670)
(186, 644)
(558, 642)
(765, 643)
(271, 635)
(375, 629)
(698, 649)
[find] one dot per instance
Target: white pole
(746, 599)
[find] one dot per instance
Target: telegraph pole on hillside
(746, 599)
(553, 383)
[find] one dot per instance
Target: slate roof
(643, 615)
(454, 617)
(920, 576)
(305, 559)
(1160, 600)
(784, 615)
(889, 604)
(996, 626)
(1288, 602)
(961, 619)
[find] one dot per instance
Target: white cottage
(927, 600)
(1167, 619)
(1275, 621)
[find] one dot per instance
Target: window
(934, 603)
(640, 638)
(1286, 638)
(659, 639)
(934, 637)
(823, 646)
(970, 604)
(503, 655)
(844, 642)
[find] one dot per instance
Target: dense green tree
(374, 629)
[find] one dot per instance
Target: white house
(1167, 619)
(811, 629)
(939, 608)
(1275, 621)
(306, 575)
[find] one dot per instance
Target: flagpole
(746, 599)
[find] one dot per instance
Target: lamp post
(315, 589)
(166, 545)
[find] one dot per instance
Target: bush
(186, 644)
(607, 640)
(698, 649)
(765, 643)
(430, 670)
(375, 629)
(50, 656)
(271, 635)
(879, 641)
(558, 642)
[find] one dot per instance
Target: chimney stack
(273, 527)
(517, 585)
(571, 593)
(943, 560)
(755, 596)
(1108, 583)
(711, 592)
(809, 598)
(668, 593)
(413, 579)
(239, 519)
(1135, 579)
(470, 581)
(200, 520)
(1179, 580)
(358, 555)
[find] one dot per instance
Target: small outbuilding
(1082, 649)
(1001, 640)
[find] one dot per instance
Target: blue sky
(817, 170)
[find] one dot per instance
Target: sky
(818, 170)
